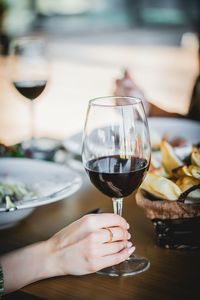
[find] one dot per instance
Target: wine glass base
(132, 266)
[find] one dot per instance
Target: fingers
(118, 234)
(87, 225)
(101, 237)
(110, 260)
(112, 248)
(101, 255)
(94, 247)
(98, 221)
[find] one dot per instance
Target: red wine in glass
(29, 74)
(115, 176)
(30, 89)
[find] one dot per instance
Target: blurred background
(89, 43)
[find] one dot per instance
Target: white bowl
(51, 181)
(11, 218)
(175, 128)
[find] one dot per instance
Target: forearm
(26, 265)
(155, 111)
(78, 249)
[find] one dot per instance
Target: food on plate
(195, 156)
(190, 170)
(173, 179)
(157, 168)
(170, 198)
(44, 148)
(13, 151)
(181, 171)
(161, 187)
(156, 140)
(186, 183)
(159, 171)
(177, 142)
(11, 192)
(195, 171)
(170, 159)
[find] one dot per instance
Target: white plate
(170, 127)
(176, 127)
(51, 181)
(74, 143)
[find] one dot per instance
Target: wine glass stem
(32, 117)
(117, 205)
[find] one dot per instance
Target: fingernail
(129, 244)
(128, 226)
(129, 235)
(131, 250)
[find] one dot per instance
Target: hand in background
(125, 86)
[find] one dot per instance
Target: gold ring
(110, 234)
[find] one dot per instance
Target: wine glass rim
(101, 101)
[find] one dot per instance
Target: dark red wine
(30, 89)
(115, 176)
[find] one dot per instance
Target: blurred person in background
(125, 86)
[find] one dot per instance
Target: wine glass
(116, 154)
(29, 72)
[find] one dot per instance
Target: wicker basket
(177, 224)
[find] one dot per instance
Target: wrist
(27, 265)
(52, 261)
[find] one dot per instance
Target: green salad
(11, 192)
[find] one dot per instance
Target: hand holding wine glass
(29, 72)
(116, 155)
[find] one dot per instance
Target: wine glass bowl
(116, 155)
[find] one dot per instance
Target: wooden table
(173, 274)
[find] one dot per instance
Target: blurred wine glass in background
(29, 73)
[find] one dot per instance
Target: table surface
(173, 274)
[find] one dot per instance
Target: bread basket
(177, 224)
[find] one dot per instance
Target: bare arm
(26, 265)
(156, 111)
(80, 248)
